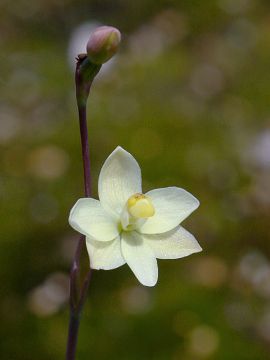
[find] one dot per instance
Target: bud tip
(103, 44)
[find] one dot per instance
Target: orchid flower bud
(103, 44)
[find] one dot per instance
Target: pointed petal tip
(197, 202)
(119, 149)
(196, 249)
(150, 284)
(70, 217)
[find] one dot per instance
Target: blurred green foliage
(188, 96)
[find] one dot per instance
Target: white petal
(172, 205)
(120, 178)
(104, 255)
(140, 258)
(89, 218)
(174, 244)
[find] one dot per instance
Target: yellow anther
(140, 206)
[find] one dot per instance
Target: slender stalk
(84, 75)
(85, 150)
(74, 323)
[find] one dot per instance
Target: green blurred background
(188, 95)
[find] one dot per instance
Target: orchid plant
(124, 225)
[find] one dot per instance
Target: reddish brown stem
(84, 75)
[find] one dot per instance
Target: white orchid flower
(126, 226)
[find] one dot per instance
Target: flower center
(138, 208)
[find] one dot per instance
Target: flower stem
(84, 76)
(85, 150)
(74, 323)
